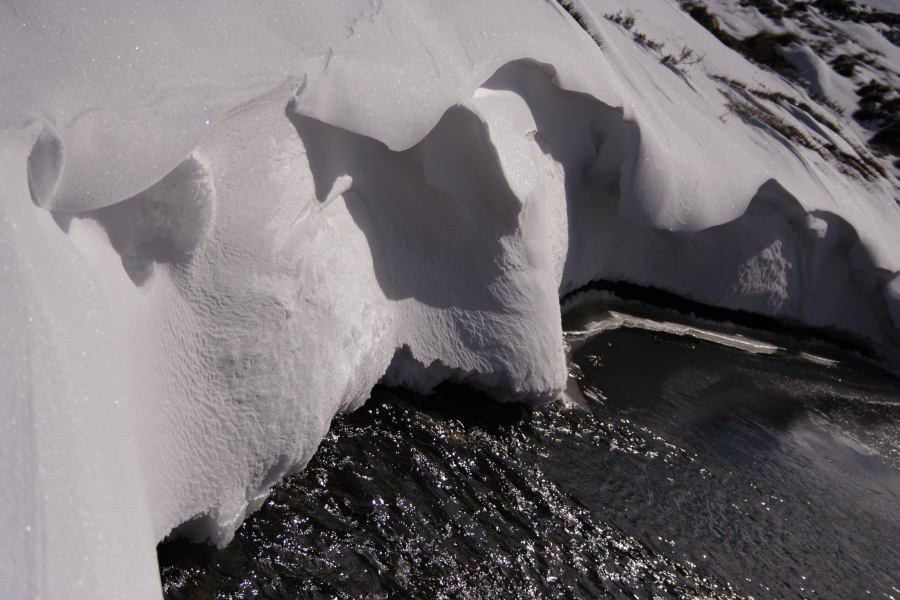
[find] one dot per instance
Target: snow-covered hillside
(220, 227)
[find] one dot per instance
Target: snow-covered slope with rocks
(220, 227)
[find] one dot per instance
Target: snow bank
(222, 227)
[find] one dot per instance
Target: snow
(614, 320)
(221, 227)
(885, 5)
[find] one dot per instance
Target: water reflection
(793, 483)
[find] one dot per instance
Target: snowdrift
(222, 227)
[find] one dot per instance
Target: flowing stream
(678, 467)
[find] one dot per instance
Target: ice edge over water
(615, 320)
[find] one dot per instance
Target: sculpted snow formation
(205, 261)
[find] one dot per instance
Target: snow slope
(222, 227)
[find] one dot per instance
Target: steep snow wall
(209, 249)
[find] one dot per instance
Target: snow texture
(222, 226)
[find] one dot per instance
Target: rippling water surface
(686, 469)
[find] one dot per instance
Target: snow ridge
(200, 276)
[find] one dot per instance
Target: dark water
(694, 470)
